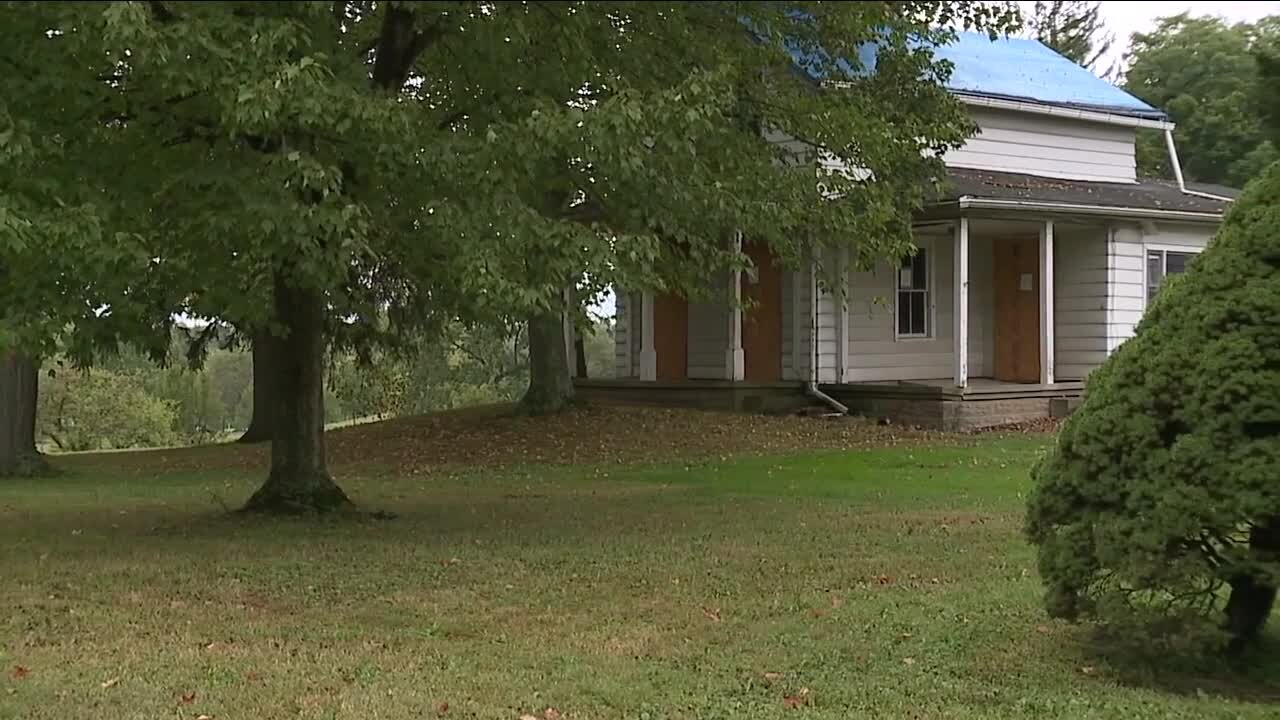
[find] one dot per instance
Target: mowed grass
(887, 582)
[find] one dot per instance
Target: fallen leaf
(794, 701)
(204, 717)
(713, 615)
(110, 683)
(905, 636)
(442, 708)
(908, 661)
(20, 673)
(1088, 669)
(188, 698)
(551, 714)
(1043, 629)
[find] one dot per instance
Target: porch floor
(977, 388)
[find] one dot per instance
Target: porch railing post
(842, 318)
(962, 303)
(1046, 302)
(734, 357)
(648, 355)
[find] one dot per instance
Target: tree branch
(160, 12)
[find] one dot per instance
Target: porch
(933, 404)
(994, 319)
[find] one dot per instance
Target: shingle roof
(1147, 194)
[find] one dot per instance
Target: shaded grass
(885, 582)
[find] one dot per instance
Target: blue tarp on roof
(1011, 68)
(1026, 69)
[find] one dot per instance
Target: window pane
(1155, 271)
(904, 313)
(917, 314)
(1176, 262)
(920, 267)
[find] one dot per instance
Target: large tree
(62, 273)
(1075, 29)
(319, 170)
(1203, 71)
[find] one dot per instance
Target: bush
(1162, 496)
(101, 409)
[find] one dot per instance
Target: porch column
(648, 355)
(842, 319)
(1046, 302)
(962, 303)
(734, 358)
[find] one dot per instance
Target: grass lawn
(882, 576)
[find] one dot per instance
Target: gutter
(969, 202)
(1066, 112)
(1177, 170)
(811, 385)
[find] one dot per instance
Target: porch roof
(1152, 195)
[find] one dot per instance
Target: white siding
(1127, 269)
(1047, 146)
(623, 350)
(827, 314)
(1123, 283)
(709, 335)
(797, 324)
(874, 352)
(790, 324)
(1079, 300)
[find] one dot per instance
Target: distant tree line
(1214, 78)
(128, 401)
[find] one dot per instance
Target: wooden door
(1016, 279)
(671, 336)
(762, 321)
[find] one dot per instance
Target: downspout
(1177, 170)
(811, 386)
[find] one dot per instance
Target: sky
(1125, 18)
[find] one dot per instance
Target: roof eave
(1028, 106)
(970, 202)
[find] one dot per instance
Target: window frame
(1164, 249)
(930, 264)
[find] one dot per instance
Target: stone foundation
(703, 395)
(931, 407)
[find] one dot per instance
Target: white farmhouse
(1035, 266)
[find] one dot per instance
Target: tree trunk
(1252, 598)
(19, 393)
(299, 481)
(580, 350)
(264, 378)
(550, 385)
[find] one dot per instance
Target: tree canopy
(1161, 493)
(335, 172)
(1075, 29)
(1204, 73)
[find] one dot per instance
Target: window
(1163, 263)
(913, 295)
